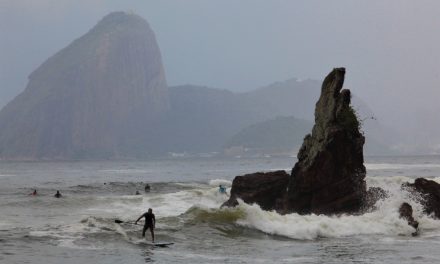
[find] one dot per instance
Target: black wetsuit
(150, 221)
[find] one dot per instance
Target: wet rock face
(430, 194)
(264, 189)
(406, 212)
(329, 175)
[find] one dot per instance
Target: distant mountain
(105, 96)
(203, 119)
(278, 135)
(291, 97)
(96, 98)
(298, 98)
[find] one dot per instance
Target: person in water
(147, 188)
(222, 189)
(58, 194)
(34, 192)
(138, 193)
(150, 223)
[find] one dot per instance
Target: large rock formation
(429, 192)
(96, 98)
(329, 175)
(264, 189)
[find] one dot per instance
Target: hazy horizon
(390, 48)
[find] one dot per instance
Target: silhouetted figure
(33, 193)
(147, 188)
(222, 189)
(58, 194)
(138, 193)
(150, 223)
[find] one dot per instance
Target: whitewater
(81, 228)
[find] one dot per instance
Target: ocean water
(80, 227)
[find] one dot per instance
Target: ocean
(80, 227)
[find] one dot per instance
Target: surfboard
(155, 244)
(162, 244)
(158, 244)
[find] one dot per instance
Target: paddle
(117, 221)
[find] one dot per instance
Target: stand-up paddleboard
(161, 244)
(144, 242)
(155, 244)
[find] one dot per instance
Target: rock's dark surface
(430, 194)
(96, 98)
(406, 212)
(329, 175)
(374, 194)
(264, 189)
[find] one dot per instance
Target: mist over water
(389, 49)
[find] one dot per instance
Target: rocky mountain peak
(95, 98)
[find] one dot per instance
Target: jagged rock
(264, 189)
(97, 98)
(329, 176)
(430, 194)
(373, 195)
(406, 212)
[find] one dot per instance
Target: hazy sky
(390, 48)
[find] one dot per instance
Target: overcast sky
(390, 48)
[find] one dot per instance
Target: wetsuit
(150, 222)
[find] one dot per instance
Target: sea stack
(95, 99)
(329, 177)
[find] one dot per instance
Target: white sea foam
(164, 205)
(396, 166)
(70, 243)
(51, 233)
(306, 227)
(385, 220)
(386, 182)
(218, 182)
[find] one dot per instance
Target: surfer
(57, 195)
(222, 189)
(34, 192)
(147, 188)
(150, 223)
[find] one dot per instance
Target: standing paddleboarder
(150, 223)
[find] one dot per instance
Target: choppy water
(81, 228)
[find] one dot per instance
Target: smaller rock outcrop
(430, 194)
(374, 194)
(263, 188)
(406, 212)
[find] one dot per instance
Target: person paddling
(150, 223)
(57, 195)
(33, 193)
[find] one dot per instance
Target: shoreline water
(80, 226)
